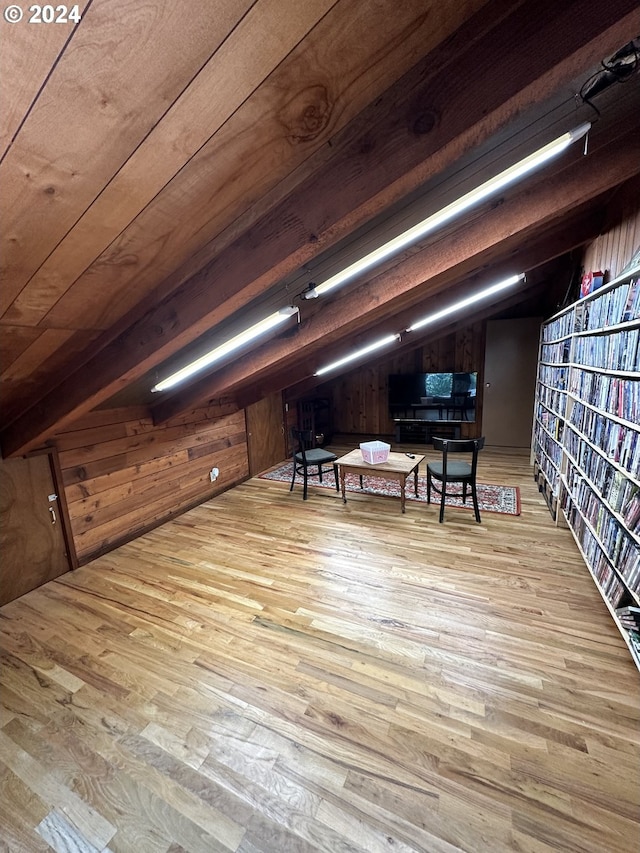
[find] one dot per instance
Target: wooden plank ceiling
(172, 171)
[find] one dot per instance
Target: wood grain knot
(424, 122)
(307, 114)
(120, 258)
(336, 720)
(367, 145)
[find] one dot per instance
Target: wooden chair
(306, 457)
(448, 471)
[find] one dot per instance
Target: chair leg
(336, 477)
(474, 496)
(428, 487)
(293, 476)
(319, 473)
(304, 483)
(443, 496)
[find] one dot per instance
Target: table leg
(403, 481)
(415, 479)
(342, 485)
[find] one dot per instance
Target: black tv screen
(433, 396)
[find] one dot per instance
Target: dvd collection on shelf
(586, 438)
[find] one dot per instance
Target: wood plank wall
(122, 475)
(360, 397)
(620, 240)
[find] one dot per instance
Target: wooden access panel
(32, 539)
(265, 433)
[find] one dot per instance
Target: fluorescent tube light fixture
(463, 303)
(229, 346)
(456, 208)
(383, 342)
(431, 318)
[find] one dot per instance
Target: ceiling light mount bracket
(309, 292)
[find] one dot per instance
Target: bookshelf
(585, 447)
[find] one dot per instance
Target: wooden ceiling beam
(483, 243)
(299, 375)
(536, 287)
(250, 394)
(422, 125)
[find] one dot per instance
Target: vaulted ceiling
(172, 172)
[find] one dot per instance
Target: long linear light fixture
(379, 344)
(250, 334)
(392, 247)
(451, 211)
(464, 303)
(430, 318)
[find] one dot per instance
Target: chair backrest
(302, 440)
(460, 398)
(459, 445)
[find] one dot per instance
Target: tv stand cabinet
(417, 431)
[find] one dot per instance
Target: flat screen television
(433, 396)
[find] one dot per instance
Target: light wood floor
(267, 674)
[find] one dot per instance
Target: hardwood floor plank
(364, 834)
(100, 712)
(217, 826)
(572, 837)
(62, 835)
(417, 811)
(122, 797)
(21, 810)
(267, 674)
(42, 694)
(229, 811)
(91, 824)
(36, 655)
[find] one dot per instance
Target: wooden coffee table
(397, 467)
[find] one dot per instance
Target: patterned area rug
(491, 498)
